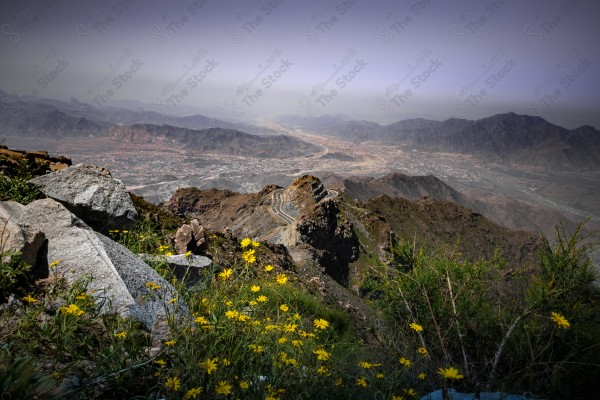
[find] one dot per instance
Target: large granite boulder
(92, 194)
(118, 278)
(18, 238)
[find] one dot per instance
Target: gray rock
(92, 194)
(24, 239)
(117, 278)
(190, 268)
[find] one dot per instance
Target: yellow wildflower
(160, 362)
(411, 392)
(249, 255)
(226, 273)
(201, 320)
(281, 279)
(450, 373)
(379, 376)
(223, 388)
(421, 376)
(422, 351)
(121, 335)
(29, 299)
(210, 365)
(72, 309)
(367, 365)
(232, 314)
(255, 243)
(187, 255)
(297, 343)
(54, 263)
(225, 362)
(322, 370)
(255, 288)
(192, 393)
(261, 298)
(256, 348)
(244, 385)
(289, 327)
(168, 254)
(173, 383)
(405, 361)
(394, 397)
(560, 320)
(362, 382)
(170, 342)
(339, 382)
(322, 354)
(284, 308)
(320, 323)
(252, 303)
(282, 340)
(268, 268)
(245, 243)
(152, 286)
(416, 327)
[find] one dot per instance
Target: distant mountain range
(44, 119)
(506, 138)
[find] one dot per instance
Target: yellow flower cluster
(72, 309)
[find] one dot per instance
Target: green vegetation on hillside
(252, 330)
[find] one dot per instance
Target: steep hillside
(329, 230)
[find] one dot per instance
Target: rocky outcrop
(190, 238)
(41, 161)
(92, 194)
(18, 238)
(332, 237)
(117, 278)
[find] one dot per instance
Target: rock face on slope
(92, 194)
(117, 278)
(10, 160)
(15, 237)
(332, 237)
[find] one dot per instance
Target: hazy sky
(377, 60)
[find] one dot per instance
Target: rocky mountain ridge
(327, 229)
(508, 138)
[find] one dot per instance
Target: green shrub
(17, 187)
